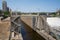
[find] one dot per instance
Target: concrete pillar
(33, 22)
(45, 24)
(38, 22)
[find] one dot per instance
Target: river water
(54, 23)
(29, 34)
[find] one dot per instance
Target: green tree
(34, 13)
(7, 13)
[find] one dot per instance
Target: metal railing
(15, 25)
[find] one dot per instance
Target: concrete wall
(27, 20)
(40, 22)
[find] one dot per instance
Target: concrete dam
(27, 27)
(30, 27)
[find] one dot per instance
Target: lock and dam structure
(29, 27)
(33, 24)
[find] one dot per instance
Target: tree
(34, 13)
(6, 13)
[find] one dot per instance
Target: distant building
(8, 9)
(4, 6)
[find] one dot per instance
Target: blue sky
(33, 5)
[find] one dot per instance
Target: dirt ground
(4, 30)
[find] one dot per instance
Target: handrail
(17, 25)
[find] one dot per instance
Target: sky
(33, 5)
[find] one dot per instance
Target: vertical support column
(47, 27)
(33, 22)
(38, 23)
(45, 24)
